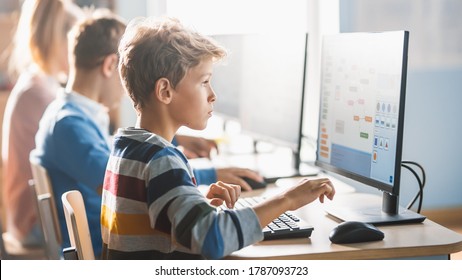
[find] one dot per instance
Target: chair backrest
(77, 224)
(52, 246)
(47, 208)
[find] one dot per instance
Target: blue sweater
(71, 144)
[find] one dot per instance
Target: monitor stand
(365, 208)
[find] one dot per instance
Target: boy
(151, 208)
(72, 140)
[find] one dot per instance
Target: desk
(416, 241)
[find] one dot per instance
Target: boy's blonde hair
(153, 49)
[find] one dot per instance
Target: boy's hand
(306, 191)
(221, 192)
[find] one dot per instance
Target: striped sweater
(152, 209)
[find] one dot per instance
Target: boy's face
(193, 97)
(114, 91)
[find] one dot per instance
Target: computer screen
(361, 120)
(261, 84)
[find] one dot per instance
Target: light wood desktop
(413, 241)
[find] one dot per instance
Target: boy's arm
(306, 191)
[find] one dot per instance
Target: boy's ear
(163, 91)
(109, 66)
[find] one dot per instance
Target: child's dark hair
(94, 38)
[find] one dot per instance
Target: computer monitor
(361, 118)
(261, 84)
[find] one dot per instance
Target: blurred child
(73, 137)
(40, 57)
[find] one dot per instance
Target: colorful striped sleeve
(151, 202)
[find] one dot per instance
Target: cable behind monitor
(420, 181)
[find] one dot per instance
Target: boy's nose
(212, 96)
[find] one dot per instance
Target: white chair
(77, 224)
(48, 213)
(52, 245)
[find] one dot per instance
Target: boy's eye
(205, 82)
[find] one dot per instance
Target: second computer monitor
(261, 84)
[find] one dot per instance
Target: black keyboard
(287, 225)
